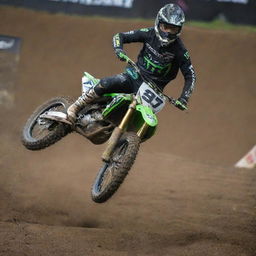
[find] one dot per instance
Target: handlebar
(134, 65)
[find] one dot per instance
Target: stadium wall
(234, 11)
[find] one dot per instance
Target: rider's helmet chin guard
(170, 14)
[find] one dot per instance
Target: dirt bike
(124, 120)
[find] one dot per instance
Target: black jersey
(160, 63)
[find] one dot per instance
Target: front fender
(148, 115)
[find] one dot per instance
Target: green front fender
(145, 114)
(148, 115)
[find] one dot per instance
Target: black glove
(181, 103)
(121, 55)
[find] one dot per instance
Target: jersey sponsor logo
(153, 50)
(115, 3)
(116, 40)
(144, 29)
(157, 68)
(186, 55)
(191, 88)
(167, 56)
(129, 32)
(154, 66)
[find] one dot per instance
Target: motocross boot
(84, 99)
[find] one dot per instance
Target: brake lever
(171, 99)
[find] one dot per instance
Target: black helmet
(170, 14)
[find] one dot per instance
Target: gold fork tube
(126, 118)
(117, 133)
(141, 132)
(115, 136)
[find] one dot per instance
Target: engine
(93, 126)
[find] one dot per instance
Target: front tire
(38, 134)
(112, 174)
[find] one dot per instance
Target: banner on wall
(9, 58)
(235, 11)
(10, 43)
(235, 1)
(113, 3)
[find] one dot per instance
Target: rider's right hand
(121, 55)
(181, 104)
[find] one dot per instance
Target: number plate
(151, 98)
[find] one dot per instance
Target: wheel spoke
(41, 128)
(107, 177)
(114, 166)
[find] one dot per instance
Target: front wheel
(39, 133)
(113, 173)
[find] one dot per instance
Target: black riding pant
(121, 83)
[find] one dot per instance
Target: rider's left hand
(181, 103)
(121, 55)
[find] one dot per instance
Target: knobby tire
(59, 131)
(133, 143)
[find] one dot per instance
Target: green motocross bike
(124, 120)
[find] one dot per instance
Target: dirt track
(182, 197)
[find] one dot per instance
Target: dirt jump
(182, 197)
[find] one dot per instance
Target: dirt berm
(182, 197)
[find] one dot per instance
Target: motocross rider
(160, 59)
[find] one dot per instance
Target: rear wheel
(39, 133)
(112, 174)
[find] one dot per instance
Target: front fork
(119, 130)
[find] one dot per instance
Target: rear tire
(38, 134)
(112, 174)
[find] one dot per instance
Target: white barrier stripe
(249, 160)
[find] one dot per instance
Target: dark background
(205, 10)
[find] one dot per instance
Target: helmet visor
(169, 28)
